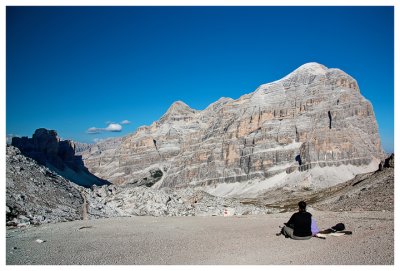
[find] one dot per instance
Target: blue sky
(76, 68)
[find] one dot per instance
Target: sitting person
(299, 225)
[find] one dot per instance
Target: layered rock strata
(314, 117)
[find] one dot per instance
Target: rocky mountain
(46, 148)
(311, 129)
(102, 148)
(81, 147)
(308, 136)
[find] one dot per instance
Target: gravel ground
(203, 240)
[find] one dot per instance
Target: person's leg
(287, 231)
(301, 238)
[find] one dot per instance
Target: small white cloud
(112, 127)
(125, 122)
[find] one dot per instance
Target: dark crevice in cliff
(330, 119)
(248, 165)
(298, 159)
(155, 145)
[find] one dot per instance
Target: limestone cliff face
(313, 117)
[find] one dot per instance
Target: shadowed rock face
(314, 117)
(46, 148)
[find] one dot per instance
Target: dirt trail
(84, 206)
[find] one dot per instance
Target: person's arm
(290, 223)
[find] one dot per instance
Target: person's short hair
(302, 205)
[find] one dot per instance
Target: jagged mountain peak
(178, 111)
(179, 105)
(305, 75)
(316, 69)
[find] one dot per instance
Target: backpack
(338, 227)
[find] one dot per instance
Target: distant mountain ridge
(288, 132)
(81, 147)
(59, 155)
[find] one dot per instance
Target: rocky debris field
(129, 200)
(36, 195)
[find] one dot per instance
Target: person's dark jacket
(301, 224)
